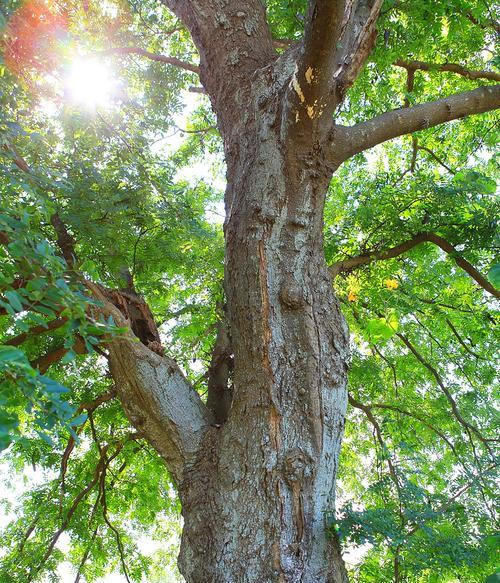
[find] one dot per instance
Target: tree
(255, 463)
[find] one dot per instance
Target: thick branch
(175, 62)
(448, 67)
(339, 37)
(358, 40)
(43, 363)
(366, 258)
(65, 241)
(313, 81)
(159, 402)
(35, 331)
(348, 141)
(157, 398)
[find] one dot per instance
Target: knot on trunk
(292, 295)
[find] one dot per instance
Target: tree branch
(312, 82)
(36, 330)
(86, 555)
(378, 432)
(158, 400)
(445, 506)
(355, 262)
(65, 241)
(487, 23)
(339, 36)
(461, 341)
(420, 418)
(89, 406)
(463, 263)
(119, 544)
(433, 155)
(454, 407)
(284, 43)
(80, 496)
(44, 362)
(358, 40)
(448, 67)
(174, 61)
(348, 141)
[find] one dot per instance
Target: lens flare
(32, 37)
(91, 84)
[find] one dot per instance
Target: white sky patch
(210, 170)
(167, 145)
(216, 213)
(48, 108)
(109, 8)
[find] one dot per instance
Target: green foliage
(399, 479)
(35, 291)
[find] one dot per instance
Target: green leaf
(79, 420)
(14, 300)
(11, 355)
(53, 386)
(382, 329)
(494, 275)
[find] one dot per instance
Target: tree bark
(258, 501)
(256, 473)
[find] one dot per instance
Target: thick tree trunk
(258, 499)
(255, 467)
(257, 488)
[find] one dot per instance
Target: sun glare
(91, 84)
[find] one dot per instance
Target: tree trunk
(258, 500)
(256, 475)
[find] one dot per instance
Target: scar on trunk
(274, 416)
(266, 331)
(309, 75)
(297, 88)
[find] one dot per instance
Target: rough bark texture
(255, 469)
(273, 463)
